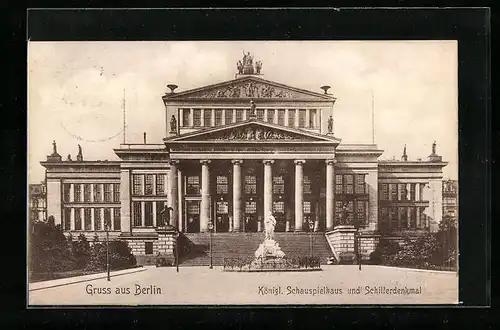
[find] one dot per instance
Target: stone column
(286, 117)
(417, 191)
(296, 118)
(180, 194)
(202, 114)
(237, 216)
(72, 219)
(268, 187)
(417, 217)
(92, 199)
(408, 191)
(191, 117)
(330, 190)
(213, 118)
(172, 192)
(181, 118)
(71, 193)
(112, 217)
(92, 219)
(408, 216)
(306, 125)
(299, 197)
(125, 201)
(205, 196)
(154, 214)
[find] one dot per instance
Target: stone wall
(368, 245)
(342, 239)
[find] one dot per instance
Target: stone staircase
(243, 245)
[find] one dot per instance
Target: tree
(81, 252)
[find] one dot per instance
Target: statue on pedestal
(173, 124)
(79, 156)
(330, 125)
(269, 225)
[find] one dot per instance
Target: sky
(76, 91)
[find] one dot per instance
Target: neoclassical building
(235, 152)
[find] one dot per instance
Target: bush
(120, 256)
(384, 251)
(81, 252)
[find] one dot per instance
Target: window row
(148, 184)
(350, 184)
(352, 212)
(408, 217)
(302, 118)
(401, 191)
(91, 219)
(91, 192)
(145, 214)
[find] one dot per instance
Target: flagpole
(124, 119)
(373, 119)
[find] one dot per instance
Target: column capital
(330, 161)
(173, 162)
(237, 161)
(205, 161)
(268, 161)
(299, 161)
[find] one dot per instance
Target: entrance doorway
(221, 216)
(193, 216)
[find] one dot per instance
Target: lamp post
(311, 228)
(107, 250)
(210, 227)
(177, 234)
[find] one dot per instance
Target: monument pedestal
(269, 249)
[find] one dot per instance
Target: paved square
(201, 285)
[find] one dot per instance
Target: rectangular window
(185, 117)
(197, 118)
(394, 217)
(148, 187)
(107, 218)
(148, 247)
(137, 214)
(207, 117)
(137, 184)
(383, 191)
(87, 218)
(78, 192)
(394, 191)
(116, 192)
(278, 185)
(302, 118)
(412, 191)
(402, 191)
(97, 219)
(160, 184)
(117, 218)
(193, 207)
(260, 114)
(281, 117)
(291, 117)
(312, 118)
(250, 184)
(222, 207)
(67, 219)
(279, 207)
(97, 193)
(383, 217)
(222, 185)
(404, 217)
(148, 209)
(218, 117)
(270, 116)
(338, 211)
(78, 219)
(228, 116)
(412, 217)
(66, 192)
(160, 221)
(361, 212)
(107, 192)
(239, 115)
(338, 184)
(250, 207)
(87, 193)
(360, 184)
(306, 207)
(306, 185)
(349, 183)
(193, 185)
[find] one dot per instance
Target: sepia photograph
(242, 173)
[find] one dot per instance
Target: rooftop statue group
(246, 65)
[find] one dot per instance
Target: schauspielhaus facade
(234, 152)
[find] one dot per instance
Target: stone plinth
(269, 249)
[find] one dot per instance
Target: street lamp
(177, 234)
(311, 227)
(107, 250)
(210, 227)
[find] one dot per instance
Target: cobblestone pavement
(201, 285)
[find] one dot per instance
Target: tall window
(207, 117)
(185, 117)
(87, 193)
(404, 217)
(393, 214)
(97, 192)
(67, 218)
(281, 117)
(349, 184)
(412, 217)
(117, 218)
(270, 115)
(291, 117)
(306, 187)
(383, 217)
(66, 192)
(160, 221)
(193, 207)
(383, 191)
(78, 219)
(97, 219)
(279, 207)
(116, 192)
(412, 191)
(228, 116)
(306, 207)
(196, 117)
(193, 185)
(239, 115)
(218, 117)
(250, 184)
(339, 188)
(87, 218)
(107, 218)
(148, 209)
(137, 214)
(344, 211)
(402, 191)
(78, 192)
(250, 207)
(260, 114)
(312, 118)
(302, 118)
(222, 185)
(148, 188)
(107, 192)
(222, 207)
(160, 184)
(137, 184)
(393, 187)
(360, 184)
(278, 185)
(361, 212)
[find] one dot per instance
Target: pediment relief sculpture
(249, 89)
(254, 133)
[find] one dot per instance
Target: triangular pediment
(253, 131)
(250, 87)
